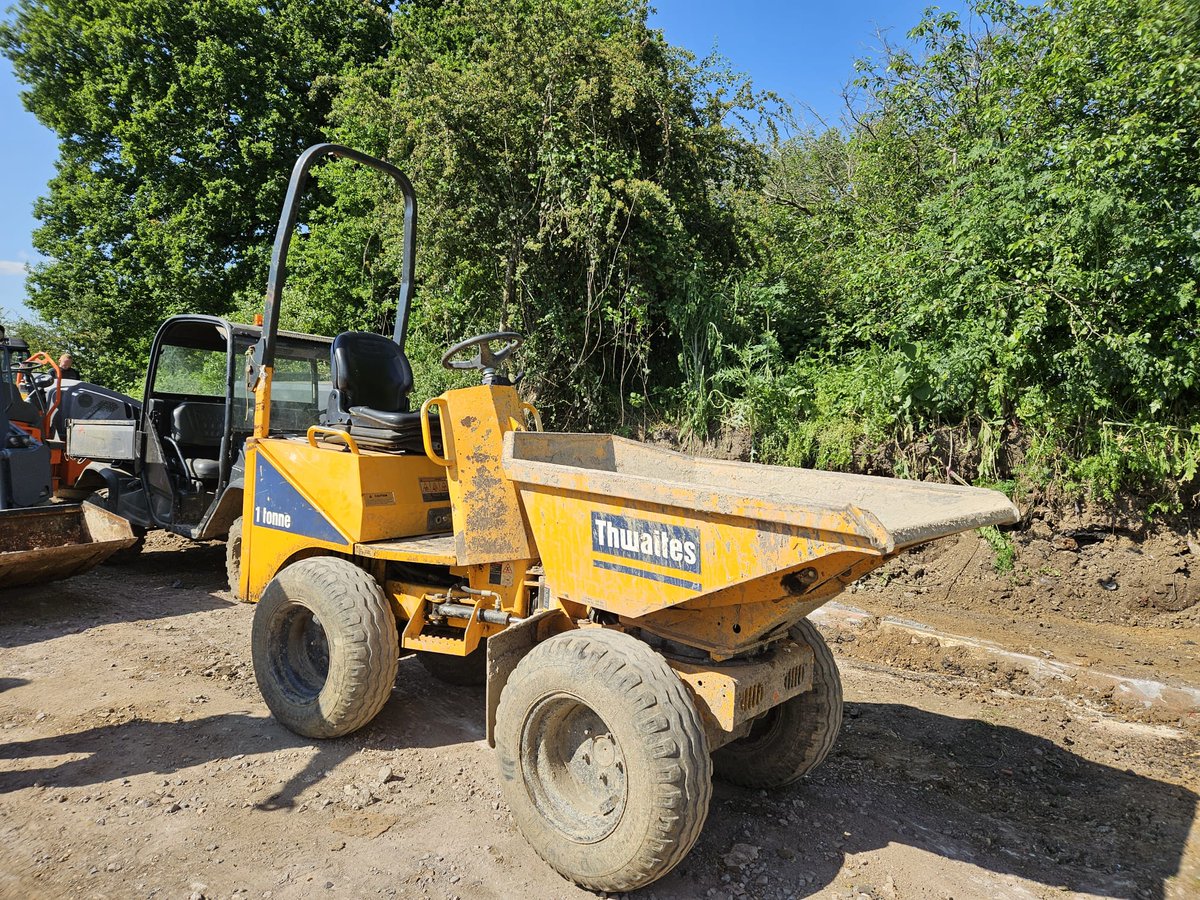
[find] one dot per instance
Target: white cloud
(11, 267)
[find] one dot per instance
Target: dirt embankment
(1088, 597)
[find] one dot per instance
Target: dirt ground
(137, 759)
(1097, 599)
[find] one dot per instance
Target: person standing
(66, 366)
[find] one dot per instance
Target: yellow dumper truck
(638, 615)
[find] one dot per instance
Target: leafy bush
(1004, 244)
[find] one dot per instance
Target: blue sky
(802, 50)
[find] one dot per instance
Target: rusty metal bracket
(506, 649)
(730, 696)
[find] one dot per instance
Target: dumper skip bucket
(631, 528)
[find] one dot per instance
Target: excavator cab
(41, 541)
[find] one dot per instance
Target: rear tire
(464, 671)
(603, 759)
(325, 647)
(793, 738)
(233, 558)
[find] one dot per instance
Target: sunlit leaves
(178, 123)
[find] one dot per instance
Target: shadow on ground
(986, 794)
(421, 713)
(990, 795)
(154, 585)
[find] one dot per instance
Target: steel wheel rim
(574, 768)
(302, 667)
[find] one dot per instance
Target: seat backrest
(198, 424)
(19, 409)
(369, 370)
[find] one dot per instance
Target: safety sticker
(434, 490)
(501, 573)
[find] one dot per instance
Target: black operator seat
(19, 409)
(197, 429)
(371, 383)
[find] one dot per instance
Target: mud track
(137, 760)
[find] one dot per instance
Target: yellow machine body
(720, 557)
(305, 497)
(716, 555)
(326, 495)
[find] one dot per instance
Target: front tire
(793, 738)
(325, 647)
(603, 759)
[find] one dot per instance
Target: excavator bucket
(47, 543)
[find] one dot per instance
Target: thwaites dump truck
(638, 615)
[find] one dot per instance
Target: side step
(416, 636)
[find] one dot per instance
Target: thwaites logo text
(672, 546)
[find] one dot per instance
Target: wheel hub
(574, 769)
(303, 665)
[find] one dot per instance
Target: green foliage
(1005, 242)
(176, 123)
(571, 168)
(1003, 550)
(40, 336)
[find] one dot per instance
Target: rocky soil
(137, 759)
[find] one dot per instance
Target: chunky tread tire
(794, 737)
(658, 730)
(361, 636)
(463, 671)
(233, 558)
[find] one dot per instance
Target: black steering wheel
(39, 382)
(486, 359)
(33, 372)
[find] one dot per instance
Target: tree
(573, 173)
(178, 121)
(1012, 239)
